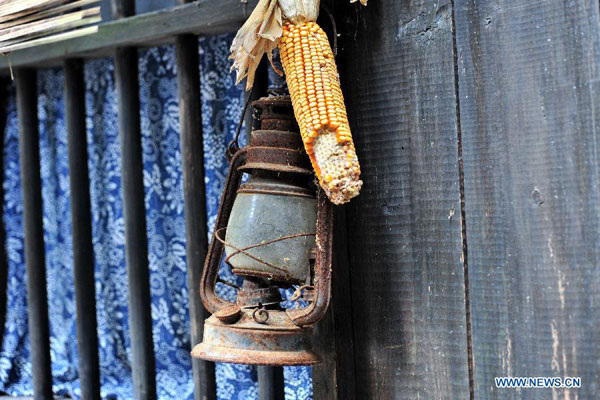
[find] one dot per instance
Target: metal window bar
(3, 254)
(192, 155)
(83, 249)
(37, 297)
(134, 213)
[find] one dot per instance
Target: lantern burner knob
(229, 314)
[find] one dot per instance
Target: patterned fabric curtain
(222, 103)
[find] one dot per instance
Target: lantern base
(276, 342)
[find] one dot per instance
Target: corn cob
(314, 86)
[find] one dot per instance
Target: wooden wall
(474, 248)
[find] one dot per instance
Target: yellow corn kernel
(314, 86)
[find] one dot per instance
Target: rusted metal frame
(322, 281)
(240, 334)
(324, 238)
(212, 302)
(262, 347)
(283, 159)
(37, 296)
(236, 333)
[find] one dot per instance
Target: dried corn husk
(259, 35)
(261, 32)
(313, 82)
(299, 11)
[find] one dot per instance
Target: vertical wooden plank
(192, 151)
(404, 230)
(83, 250)
(37, 296)
(134, 212)
(342, 311)
(324, 374)
(334, 378)
(529, 80)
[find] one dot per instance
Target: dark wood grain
(83, 249)
(207, 17)
(35, 260)
(341, 305)
(404, 230)
(192, 151)
(529, 104)
(334, 378)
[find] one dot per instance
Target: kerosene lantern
(276, 231)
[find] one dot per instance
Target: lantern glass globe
(259, 218)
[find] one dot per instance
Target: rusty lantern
(276, 233)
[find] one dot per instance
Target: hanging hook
(234, 145)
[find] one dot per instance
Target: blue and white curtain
(222, 103)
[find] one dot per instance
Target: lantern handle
(322, 270)
(212, 302)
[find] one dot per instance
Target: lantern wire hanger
(234, 145)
